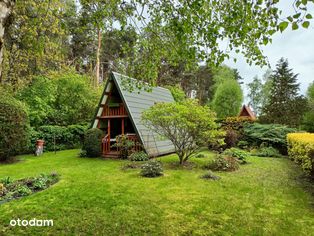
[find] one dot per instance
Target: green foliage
(152, 169)
(223, 163)
(22, 191)
(36, 41)
(200, 155)
(237, 153)
(266, 152)
(285, 105)
(308, 118)
(182, 41)
(14, 127)
(187, 125)
(50, 102)
(58, 137)
(271, 134)
(227, 99)
(222, 74)
(177, 93)
(243, 144)
(210, 175)
(124, 145)
(139, 156)
(93, 142)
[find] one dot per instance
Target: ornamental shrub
(270, 134)
(14, 128)
(231, 138)
(124, 145)
(223, 163)
(152, 169)
(237, 153)
(301, 150)
(92, 142)
(139, 156)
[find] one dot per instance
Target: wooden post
(122, 125)
(109, 134)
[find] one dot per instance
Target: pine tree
(285, 105)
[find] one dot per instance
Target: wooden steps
(111, 154)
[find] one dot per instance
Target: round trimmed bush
(92, 142)
(152, 169)
(14, 126)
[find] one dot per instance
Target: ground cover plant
(96, 197)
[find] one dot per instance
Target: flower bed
(23, 187)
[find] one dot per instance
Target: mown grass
(96, 197)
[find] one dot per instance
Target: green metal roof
(136, 102)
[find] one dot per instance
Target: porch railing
(106, 147)
(114, 111)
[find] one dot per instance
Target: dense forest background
(56, 55)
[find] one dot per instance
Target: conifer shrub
(268, 134)
(93, 142)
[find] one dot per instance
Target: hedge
(301, 150)
(14, 126)
(58, 137)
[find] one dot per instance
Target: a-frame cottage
(119, 112)
(247, 112)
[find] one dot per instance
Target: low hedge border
(301, 150)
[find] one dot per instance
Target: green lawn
(95, 197)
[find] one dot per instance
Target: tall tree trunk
(97, 81)
(6, 7)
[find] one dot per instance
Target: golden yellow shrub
(301, 150)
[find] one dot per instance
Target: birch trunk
(97, 81)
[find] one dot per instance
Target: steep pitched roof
(136, 102)
(247, 112)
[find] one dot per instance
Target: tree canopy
(186, 124)
(285, 105)
(227, 99)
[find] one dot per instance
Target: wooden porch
(115, 118)
(109, 151)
